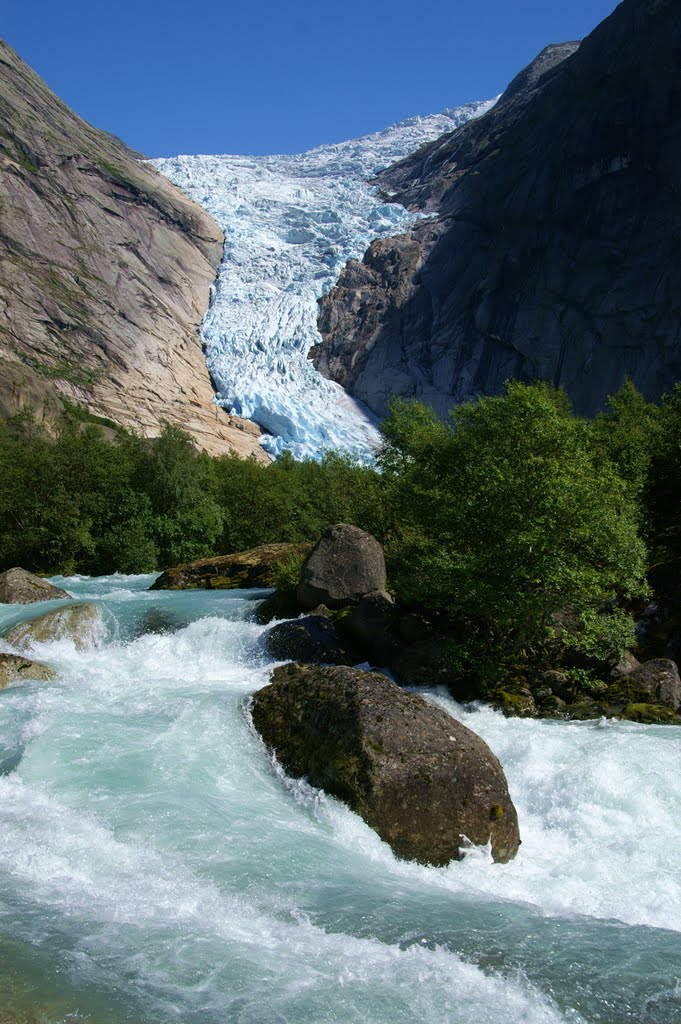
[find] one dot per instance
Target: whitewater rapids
(154, 867)
(291, 223)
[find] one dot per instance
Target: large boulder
(77, 622)
(421, 779)
(242, 570)
(13, 667)
(655, 682)
(313, 639)
(18, 586)
(344, 565)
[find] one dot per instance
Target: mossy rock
(243, 570)
(650, 714)
(515, 705)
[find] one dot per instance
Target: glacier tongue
(291, 223)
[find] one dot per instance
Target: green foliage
(286, 575)
(507, 515)
(629, 433)
(585, 679)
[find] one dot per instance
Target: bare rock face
(343, 566)
(76, 622)
(419, 778)
(244, 569)
(553, 254)
(13, 667)
(106, 275)
(18, 586)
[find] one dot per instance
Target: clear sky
(259, 76)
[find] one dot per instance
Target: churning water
(156, 868)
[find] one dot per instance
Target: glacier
(291, 223)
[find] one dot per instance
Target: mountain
(105, 274)
(291, 223)
(553, 249)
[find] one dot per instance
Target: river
(157, 867)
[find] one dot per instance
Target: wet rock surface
(76, 622)
(418, 777)
(14, 668)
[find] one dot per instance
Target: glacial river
(155, 867)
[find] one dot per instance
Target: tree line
(504, 518)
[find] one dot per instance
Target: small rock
(343, 566)
(419, 778)
(519, 704)
(77, 622)
(626, 664)
(658, 680)
(17, 586)
(13, 667)
(313, 640)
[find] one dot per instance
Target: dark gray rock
(554, 252)
(424, 663)
(344, 565)
(371, 619)
(18, 586)
(418, 777)
(313, 639)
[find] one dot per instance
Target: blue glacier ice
(291, 223)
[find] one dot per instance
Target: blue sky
(255, 76)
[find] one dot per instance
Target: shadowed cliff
(554, 250)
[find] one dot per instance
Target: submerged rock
(77, 622)
(313, 639)
(241, 570)
(13, 667)
(18, 586)
(419, 778)
(344, 565)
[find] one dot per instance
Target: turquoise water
(155, 866)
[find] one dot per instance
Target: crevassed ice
(291, 223)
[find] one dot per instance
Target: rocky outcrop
(244, 569)
(14, 668)
(344, 565)
(312, 639)
(18, 586)
(419, 778)
(106, 275)
(553, 254)
(654, 682)
(76, 622)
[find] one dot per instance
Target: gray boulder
(418, 777)
(371, 619)
(313, 639)
(18, 586)
(654, 682)
(77, 622)
(344, 565)
(14, 667)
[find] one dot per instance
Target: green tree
(509, 515)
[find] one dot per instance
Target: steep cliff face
(105, 274)
(553, 253)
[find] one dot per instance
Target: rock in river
(14, 667)
(419, 778)
(18, 586)
(77, 622)
(342, 567)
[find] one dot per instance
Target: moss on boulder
(242, 570)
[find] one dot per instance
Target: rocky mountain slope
(554, 250)
(105, 274)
